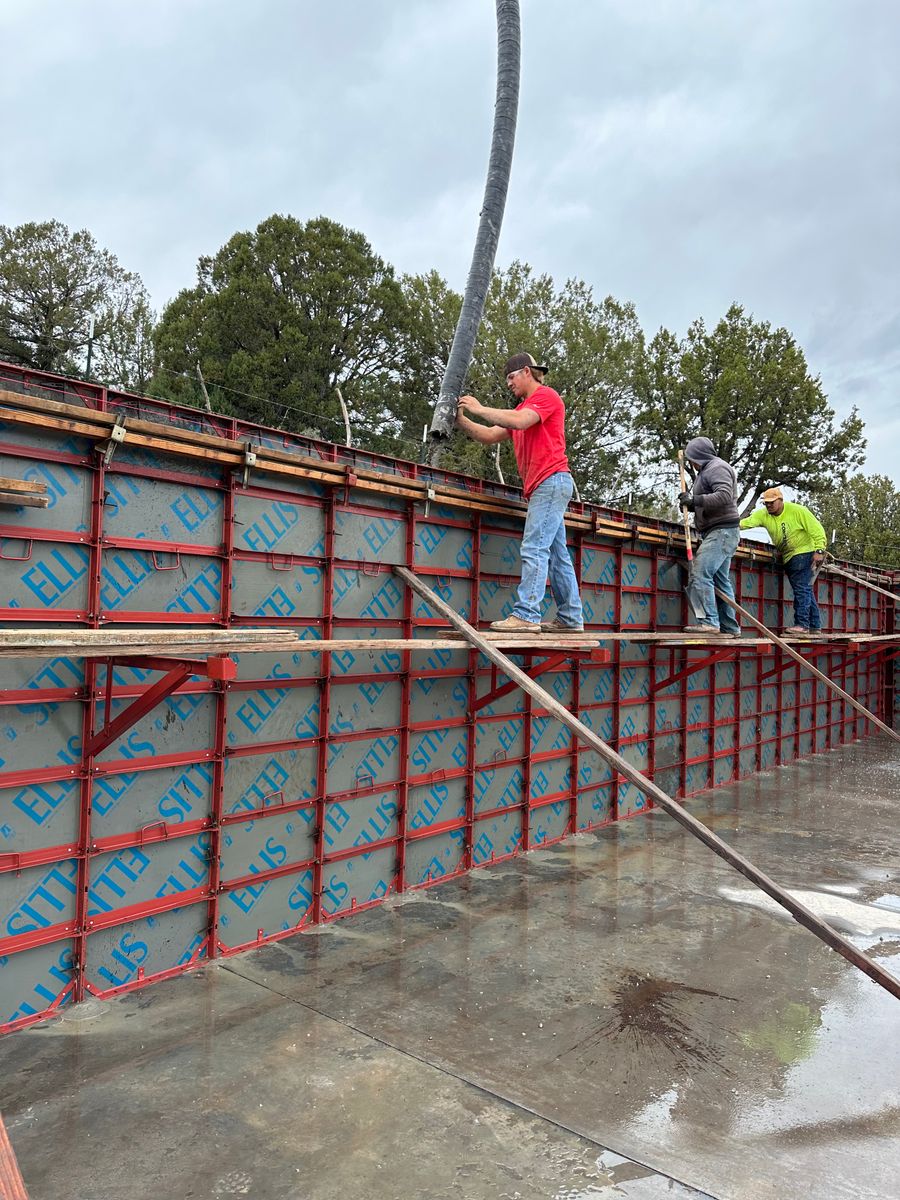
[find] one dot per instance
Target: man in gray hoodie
(713, 501)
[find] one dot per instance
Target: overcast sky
(678, 153)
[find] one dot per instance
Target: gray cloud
(682, 155)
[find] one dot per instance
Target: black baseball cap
(518, 361)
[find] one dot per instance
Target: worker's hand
(818, 556)
(469, 405)
(686, 500)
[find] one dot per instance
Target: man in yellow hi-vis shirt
(800, 540)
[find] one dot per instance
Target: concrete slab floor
(618, 1015)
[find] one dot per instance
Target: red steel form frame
(866, 669)
(324, 708)
(468, 861)
(405, 708)
(527, 760)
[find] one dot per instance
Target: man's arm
(814, 528)
(755, 520)
(504, 418)
(488, 435)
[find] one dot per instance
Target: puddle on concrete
(612, 1172)
(848, 916)
(840, 889)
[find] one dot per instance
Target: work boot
(514, 624)
(558, 626)
(796, 631)
(712, 630)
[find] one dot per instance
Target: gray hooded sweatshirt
(715, 488)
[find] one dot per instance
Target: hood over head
(700, 450)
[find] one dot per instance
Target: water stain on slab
(655, 1014)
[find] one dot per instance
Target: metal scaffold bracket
(217, 667)
(594, 656)
(116, 437)
(249, 462)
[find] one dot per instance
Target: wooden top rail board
(861, 581)
(38, 412)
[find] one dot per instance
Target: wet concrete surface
(620, 1015)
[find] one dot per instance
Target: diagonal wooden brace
(803, 915)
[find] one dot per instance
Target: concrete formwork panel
(316, 784)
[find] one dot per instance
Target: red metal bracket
(593, 654)
(816, 651)
(694, 667)
(178, 670)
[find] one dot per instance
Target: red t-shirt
(541, 449)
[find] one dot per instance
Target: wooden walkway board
(676, 637)
(75, 648)
(23, 493)
(108, 643)
(161, 638)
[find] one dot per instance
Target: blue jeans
(710, 570)
(799, 572)
(544, 547)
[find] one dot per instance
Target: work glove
(686, 500)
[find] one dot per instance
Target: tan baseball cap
(772, 494)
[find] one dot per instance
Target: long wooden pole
(798, 911)
(804, 662)
(684, 512)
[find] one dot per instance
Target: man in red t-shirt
(537, 428)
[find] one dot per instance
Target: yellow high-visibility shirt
(794, 531)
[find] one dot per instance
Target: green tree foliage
(51, 283)
(747, 387)
(865, 513)
(590, 346)
(282, 316)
